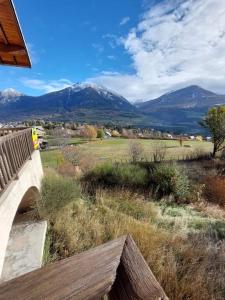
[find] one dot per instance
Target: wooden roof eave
(13, 49)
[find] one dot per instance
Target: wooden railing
(15, 149)
(9, 130)
(113, 271)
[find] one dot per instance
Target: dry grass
(189, 266)
(215, 189)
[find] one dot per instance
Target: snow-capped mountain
(85, 102)
(9, 95)
(79, 100)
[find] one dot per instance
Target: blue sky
(74, 40)
(139, 48)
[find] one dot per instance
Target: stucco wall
(29, 176)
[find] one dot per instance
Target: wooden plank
(135, 280)
(116, 269)
(8, 158)
(3, 169)
(12, 49)
(15, 150)
(9, 151)
(85, 276)
(5, 162)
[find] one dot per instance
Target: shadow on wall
(28, 200)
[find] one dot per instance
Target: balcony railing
(15, 149)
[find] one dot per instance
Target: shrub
(77, 157)
(115, 133)
(135, 151)
(100, 133)
(112, 174)
(88, 132)
(159, 151)
(215, 189)
(56, 192)
(168, 179)
(66, 169)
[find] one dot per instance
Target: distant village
(102, 131)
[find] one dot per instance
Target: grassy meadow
(180, 232)
(116, 149)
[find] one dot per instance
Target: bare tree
(136, 151)
(159, 151)
(60, 136)
(78, 158)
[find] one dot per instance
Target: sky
(138, 48)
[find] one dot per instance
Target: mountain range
(180, 110)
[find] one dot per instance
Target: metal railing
(15, 149)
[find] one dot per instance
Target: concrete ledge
(25, 249)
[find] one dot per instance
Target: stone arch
(28, 200)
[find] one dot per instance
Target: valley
(178, 111)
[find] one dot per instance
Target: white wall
(29, 176)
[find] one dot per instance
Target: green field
(117, 149)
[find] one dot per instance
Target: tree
(89, 132)
(135, 151)
(115, 133)
(61, 137)
(100, 134)
(214, 121)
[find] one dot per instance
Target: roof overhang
(13, 50)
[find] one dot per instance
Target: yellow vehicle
(35, 138)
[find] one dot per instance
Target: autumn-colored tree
(89, 132)
(214, 121)
(115, 133)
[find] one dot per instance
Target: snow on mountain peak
(99, 89)
(9, 95)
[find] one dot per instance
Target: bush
(159, 151)
(56, 192)
(109, 174)
(215, 189)
(168, 179)
(136, 151)
(78, 158)
(100, 133)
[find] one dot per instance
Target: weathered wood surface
(116, 268)
(13, 50)
(134, 279)
(8, 130)
(15, 150)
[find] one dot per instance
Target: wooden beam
(12, 49)
(116, 268)
(2, 1)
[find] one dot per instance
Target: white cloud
(111, 57)
(177, 43)
(46, 86)
(98, 47)
(113, 40)
(124, 21)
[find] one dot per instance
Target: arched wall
(29, 179)
(28, 199)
